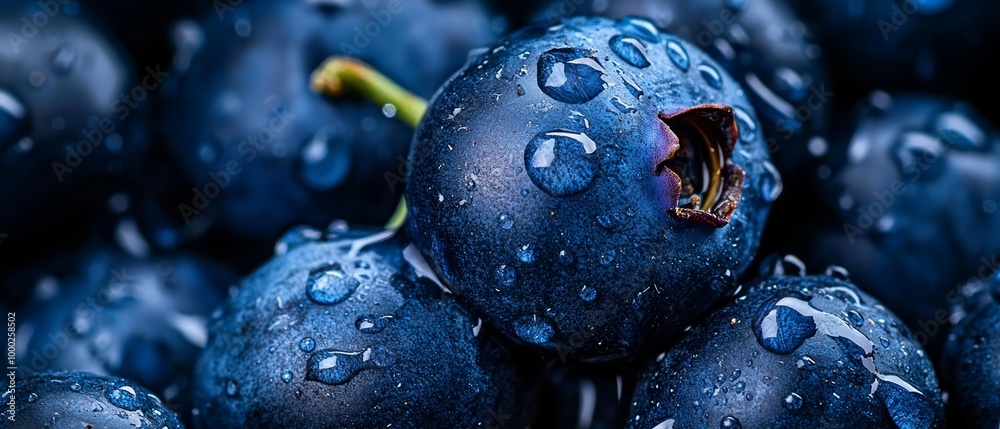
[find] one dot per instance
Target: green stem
(339, 75)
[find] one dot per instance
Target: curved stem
(339, 75)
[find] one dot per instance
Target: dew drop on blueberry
(771, 186)
(330, 285)
(747, 126)
(730, 422)
(793, 401)
(32, 398)
(286, 376)
(571, 75)
(631, 50)
(855, 318)
(336, 366)
(526, 254)
(959, 131)
(325, 161)
(922, 150)
(678, 55)
(639, 27)
(588, 293)
(307, 345)
(506, 276)
(125, 398)
(505, 220)
(711, 76)
(632, 87)
(371, 324)
(561, 163)
(12, 119)
(533, 329)
(64, 59)
(781, 329)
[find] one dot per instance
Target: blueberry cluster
(649, 214)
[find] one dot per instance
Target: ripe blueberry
(969, 367)
(590, 187)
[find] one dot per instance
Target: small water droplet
(370, 324)
(917, 149)
(325, 161)
(793, 401)
(855, 318)
(735, 374)
(838, 272)
(526, 254)
(605, 221)
(632, 87)
(505, 220)
(76, 387)
(711, 76)
(32, 398)
(307, 345)
(678, 55)
(588, 293)
(125, 398)
(781, 329)
(330, 285)
(286, 376)
(746, 124)
(336, 367)
(533, 329)
(883, 341)
(506, 276)
(622, 106)
(565, 257)
(639, 27)
(631, 50)
(571, 75)
(607, 257)
(730, 422)
(64, 59)
(957, 129)
(771, 186)
(519, 90)
(561, 163)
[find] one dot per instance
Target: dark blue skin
(311, 159)
(320, 337)
(911, 199)
(76, 399)
(111, 313)
(793, 352)
(590, 250)
(969, 365)
(762, 44)
(908, 45)
(57, 87)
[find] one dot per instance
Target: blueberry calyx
(699, 148)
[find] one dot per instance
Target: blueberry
(351, 331)
(788, 353)
(82, 400)
(968, 367)
(909, 199)
(761, 43)
(110, 313)
(584, 204)
(574, 396)
(255, 139)
(63, 128)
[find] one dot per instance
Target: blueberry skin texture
(776, 356)
(394, 351)
(913, 175)
(110, 313)
(969, 366)
(603, 273)
(244, 99)
(75, 399)
(56, 88)
(763, 45)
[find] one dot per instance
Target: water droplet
(735, 375)
(711, 76)
(12, 118)
(64, 59)
(371, 324)
(533, 329)
(506, 276)
(571, 75)
(838, 272)
(286, 376)
(76, 387)
(746, 125)
(561, 163)
(639, 27)
(605, 221)
(730, 422)
(771, 186)
(632, 87)
(519, 90)
(330, 285)
(631, 50)
(855, 318)
(781, 329)
(678, 55)
(325, 161)
(296, 237)
(338, 367)
(607, 257)
(622, 106)
(526, 254)
(565, 257)
(588, 293)
(923, 151)
(125, 398)
(960, 131)
(32, 398)
(307, 345)
(908, 409)
(793, 401)
(505, 220)
(883, 341)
